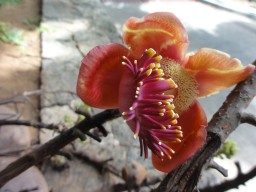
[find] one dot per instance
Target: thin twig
(29, 123)
(100, 166)
(234, 183)
(124, 187)
(248, 118)
(218, 167)
(53, 146)
(224, 122)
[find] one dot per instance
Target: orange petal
(215, 70)
(194, 136)
(161, 31)
(100, 74)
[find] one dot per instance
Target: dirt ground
(20, 64)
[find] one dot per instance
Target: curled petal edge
(99, 75)
(161, 31)
(215, 70)
(194, 137)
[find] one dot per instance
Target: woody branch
(185, 177)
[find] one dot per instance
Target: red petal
(193, 123)
(215, 70)
(100, 74)
(161, 31)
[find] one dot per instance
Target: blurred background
(41, 45)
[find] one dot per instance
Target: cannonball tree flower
(155, 85)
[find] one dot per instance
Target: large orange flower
(155, 85)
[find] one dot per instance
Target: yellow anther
(172, 151)
(137, 92)
(158, 58)
(171, 113)
(159, 103)
(158, 65)
(135, 62)
(176, 116)
(135, 135)
(161, 114)
(162, 153)
(123, 63)
(172, 83)
(178, 140)
(163, 127)
(124, 113)
(152, 65)
(140, 83)
(169, 157)
(131, 108)
(159, 143)
(124, 57)
(148, 72)
(151, 52)
(162, 110)
(170, 106)
(141, 69)
(174, 121)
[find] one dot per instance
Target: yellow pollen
(163, 127)
(169, 157)
(159, 103)
(123, 63)
(151, 52)
(172, 82)
(141, 69)
(152, 65)
(161, 114)
(176, 115)
(174, 121)
(187, 89)
(148, 72)
(124, 113)
(171, 113)
(172, 151)
(135, 62)
(158, 58)
(124, 57)
(178, 140)
(171, 106)
(131, 108)
(137, 92)
(158, 65)
(140, 83)
(135, 135)
(162, 153)
(159, 143)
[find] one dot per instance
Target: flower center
(151, 115)
(187, 91)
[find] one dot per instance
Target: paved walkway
(74, 27)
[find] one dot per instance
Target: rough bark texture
(224, 121)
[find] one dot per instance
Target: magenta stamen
(152, 110)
